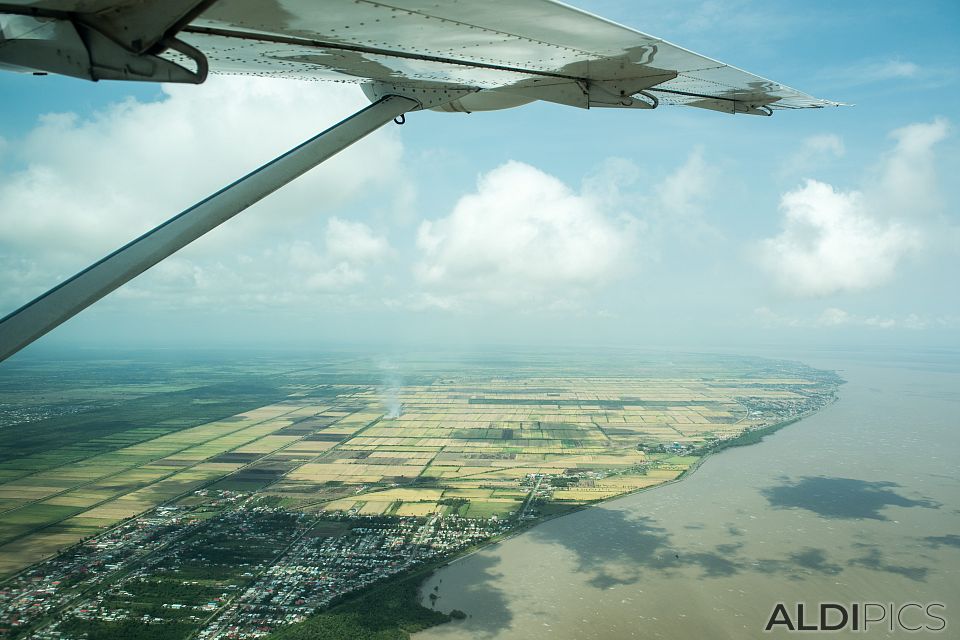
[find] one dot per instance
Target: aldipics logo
(859, 616)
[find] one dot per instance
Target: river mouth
(858, 503)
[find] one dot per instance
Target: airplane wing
(507, 51)
(408, 55)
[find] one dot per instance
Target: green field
(85, 445)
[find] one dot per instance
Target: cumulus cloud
(78, 187)
(835, 241)
(354, 241)
(522, 233)
(833, 317)
(830, 243)
(350, 246)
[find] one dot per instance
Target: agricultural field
(481, 437)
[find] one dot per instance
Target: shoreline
(759, 434)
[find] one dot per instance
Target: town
(231, 567)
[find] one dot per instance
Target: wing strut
(72, 296)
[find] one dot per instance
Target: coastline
(782, 523)
(747, 438)
(403, 593)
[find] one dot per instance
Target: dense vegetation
(385, 612)
(752, 436)
(124, 630)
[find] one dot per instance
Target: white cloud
(354, 241)
(682, 190)
(665, 211)
(880, 323)
(350, 246)
(522, 234)
(833, 317)
(340, 276)
(830, 244)
(83, 186)
(908, 176)
(836, 241)
(913, 321)
(286, 273)
(683, 197)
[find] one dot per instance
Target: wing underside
(535, 49)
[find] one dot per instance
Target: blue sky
(538, 225)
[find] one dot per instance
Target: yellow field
(416, 509)
(473, 445)
(374, 508)
(408, 495)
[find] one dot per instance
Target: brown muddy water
(859, 503)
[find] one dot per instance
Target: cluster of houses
(317, 570)
(312, 560)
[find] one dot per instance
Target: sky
(541, 225)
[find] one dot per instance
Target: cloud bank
(80, 187)
(835, 241)
(837, 318)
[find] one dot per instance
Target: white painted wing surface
(512, 51)
(539, 48)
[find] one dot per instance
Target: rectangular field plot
(267, 444)
(408, 495)
(26, 551)
(416, 509)
(71, 499)
(374, 508)
(340, 505)
(310, 447)
(486, 509)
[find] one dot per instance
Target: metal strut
(72, 296)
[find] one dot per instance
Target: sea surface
(859, 503)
